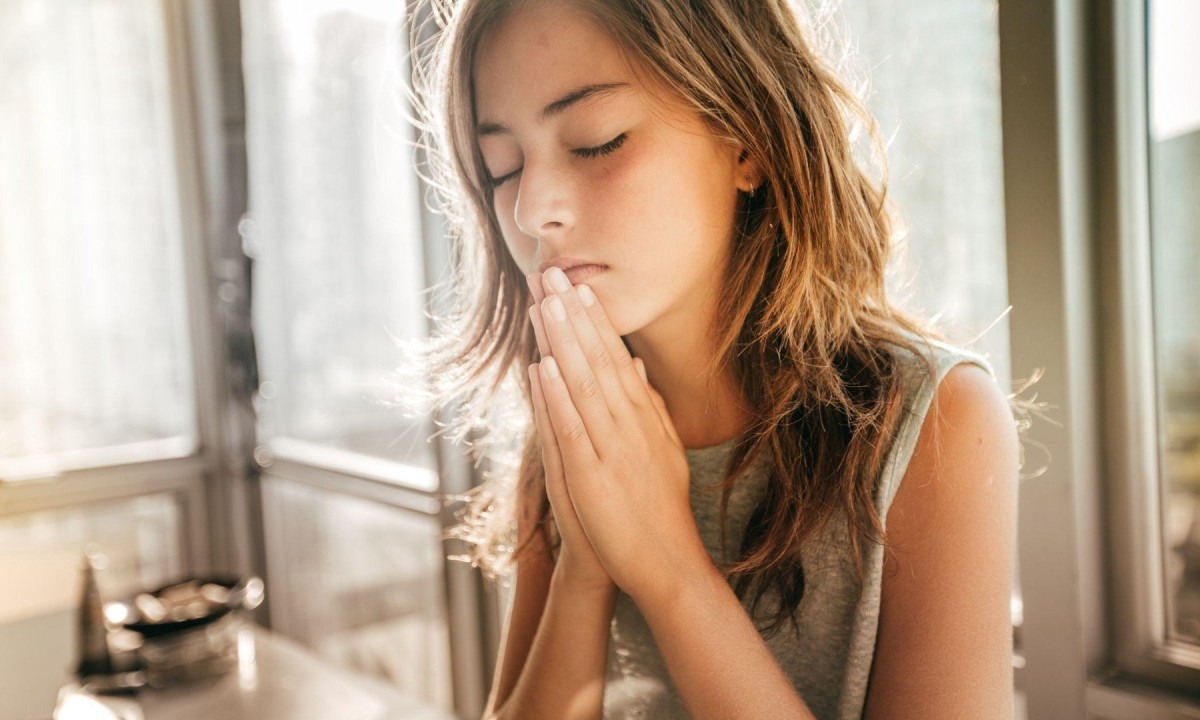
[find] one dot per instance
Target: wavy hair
(804, 320)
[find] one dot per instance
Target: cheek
(628, 202)
(652, 199)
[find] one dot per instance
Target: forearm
(719, 663)
(563, 676)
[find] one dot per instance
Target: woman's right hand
(577, 562)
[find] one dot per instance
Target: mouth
(580, 273)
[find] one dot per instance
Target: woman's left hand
(625, 467)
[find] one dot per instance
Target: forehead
(535, 54)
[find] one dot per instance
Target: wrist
(571, 577)
(676, 577)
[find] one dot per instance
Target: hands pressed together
(616, 473)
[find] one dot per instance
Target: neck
(706, 410)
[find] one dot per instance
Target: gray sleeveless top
(828, 655)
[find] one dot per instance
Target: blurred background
(213, 232)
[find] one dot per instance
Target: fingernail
(558, 279)
(551, 367)
(557, 310)
(585, 295)
(641, 368)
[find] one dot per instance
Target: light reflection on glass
(247, 659)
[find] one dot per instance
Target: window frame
(1077, 218)
(1136, 423)
(191, 472)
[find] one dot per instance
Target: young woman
(740, 482)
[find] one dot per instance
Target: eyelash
(604, 149)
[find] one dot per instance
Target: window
(102, 396)
(352, 518)
(1098, 194)
(333, 226)
(1174, 164)
(98, 394)
(936, 96)
(95, 358)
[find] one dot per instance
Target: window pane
(41, 553)
(334, 225)
(936, 95)
(93, 331)
(361, 583)
(1174, 64)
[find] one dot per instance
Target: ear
(748, 172)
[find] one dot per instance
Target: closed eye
(591, 152)
(604, 149)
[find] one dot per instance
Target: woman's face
(616, 178)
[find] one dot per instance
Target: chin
(614, 314)
(622, 321)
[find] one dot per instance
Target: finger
(551, 457)
(556, 486)
(622, 361)
(578, 377)
(539, 329)
(570, 433)
(591, 345)
(534, 281)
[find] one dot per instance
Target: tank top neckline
(705, 453)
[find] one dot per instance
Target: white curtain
(93, 331)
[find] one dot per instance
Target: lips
(576, 269)
(580, 273)
(566, 263)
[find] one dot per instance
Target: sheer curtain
(94, 351)
(95, 356)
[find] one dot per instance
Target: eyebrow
(558, 106)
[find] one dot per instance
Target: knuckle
(575, 308)
(638, 401)
(574, 432)
(588, 388)
(622, 360)
(598, 356)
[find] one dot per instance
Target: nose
(543, 204)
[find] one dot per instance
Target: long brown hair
(805, 322)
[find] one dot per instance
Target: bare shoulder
(964, 464)
(945, 633)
